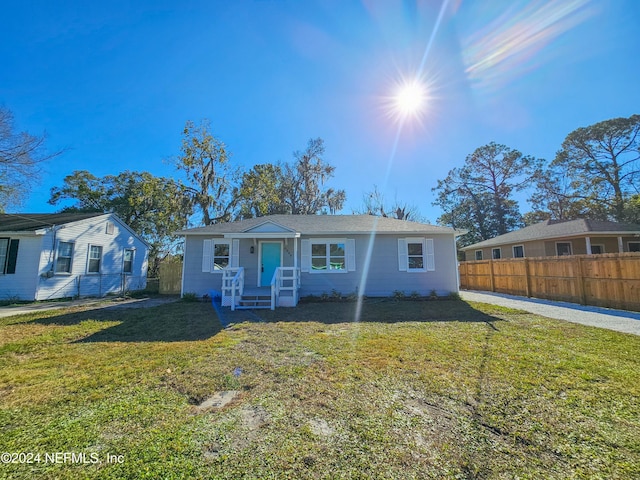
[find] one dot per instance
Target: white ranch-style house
(272, 261)
(59, 255)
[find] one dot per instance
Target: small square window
(478, 254)
(518, 251)
(563, 248)
(634, 246)
(496, 253)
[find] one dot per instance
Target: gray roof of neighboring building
(30, 222)
(324, 225)
(558, 229)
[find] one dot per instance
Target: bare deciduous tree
(21, 158)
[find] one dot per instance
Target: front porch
(282, 292)
(261, 269)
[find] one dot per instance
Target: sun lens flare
(409, 100)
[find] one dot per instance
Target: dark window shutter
(13, 256)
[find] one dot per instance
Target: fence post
(493, 285)
(527, 277)
(580, 281)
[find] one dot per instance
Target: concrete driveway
(89, 303)
(618, 320)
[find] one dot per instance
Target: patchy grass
(415, 390)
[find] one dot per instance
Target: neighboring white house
(58, 255)
(272, 261)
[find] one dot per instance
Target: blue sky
(115, 82)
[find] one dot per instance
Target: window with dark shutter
(12, 258)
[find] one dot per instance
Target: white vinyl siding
(41, 257)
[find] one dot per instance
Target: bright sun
(410, 99)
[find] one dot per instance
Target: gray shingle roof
(557, 229)
(30, 222)
(324, 225)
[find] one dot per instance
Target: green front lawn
(439, 389)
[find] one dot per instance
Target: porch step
(254, 301)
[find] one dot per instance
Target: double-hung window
(328, 256)
(95, 259)
(416, 255)
(8, 255)
(218, 254)
(221, 255)
(64, 258)
(127, 265)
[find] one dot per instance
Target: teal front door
(269, 261)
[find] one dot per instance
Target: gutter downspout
(184, 262)
(48, 273)
(457, 233)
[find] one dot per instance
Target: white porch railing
(233, 284)
(285, 279)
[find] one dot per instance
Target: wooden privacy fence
(609, 280)
(170, 278)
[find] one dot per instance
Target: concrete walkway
(618, 320)
(89, 303)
